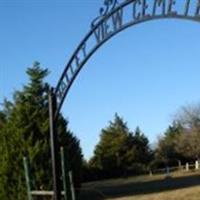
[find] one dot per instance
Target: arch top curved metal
(115, 16)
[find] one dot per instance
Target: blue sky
(146, 73)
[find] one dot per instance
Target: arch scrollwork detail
(108, 6)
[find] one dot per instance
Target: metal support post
(54, 146)
(72, 186)
(27, 176)
(65, 176)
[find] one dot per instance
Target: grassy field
(192, 193)
(179, 186)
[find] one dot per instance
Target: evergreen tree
(139, 145)
(111, 146)
(26, 133)
(166, 149)
(119, 150)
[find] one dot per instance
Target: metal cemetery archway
(115, 16)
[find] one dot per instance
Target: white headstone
(150, 173)
(187, 167)
(197, 165)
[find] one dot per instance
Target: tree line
(24, 131)
(122, 152)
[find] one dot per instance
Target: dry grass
(192, 193)
(180, 186)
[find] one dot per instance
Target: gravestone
(197, 165)
(187, 167)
